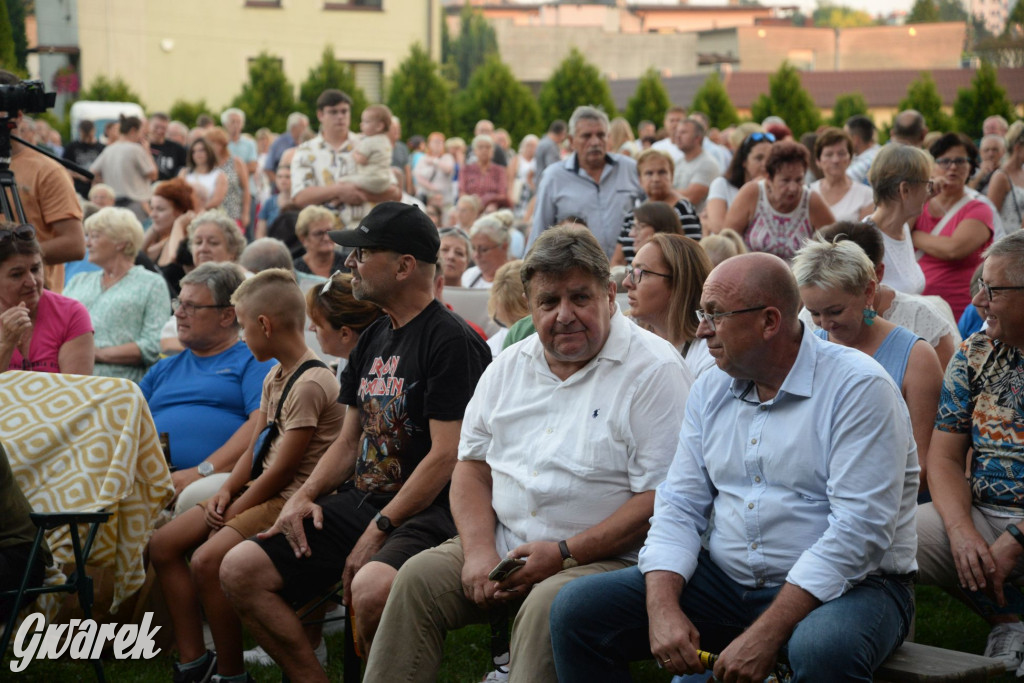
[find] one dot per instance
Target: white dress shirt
(816, 487)
(565, 455)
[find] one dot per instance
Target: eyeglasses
(360, 253)
(483, 250)
(710, 318)
(445, 232)
(636, 275)
(989, 289)
(755, 138)
(318, 234)
(330, 281)
(946, 162)
(929, 186)
(25, 233)
(189, 308)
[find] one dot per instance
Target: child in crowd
(373, 152)
(271, 311)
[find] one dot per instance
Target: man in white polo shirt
(566, 437)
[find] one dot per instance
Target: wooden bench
(916, 663)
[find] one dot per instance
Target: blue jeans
(599, 624)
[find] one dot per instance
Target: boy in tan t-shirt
(270, 308)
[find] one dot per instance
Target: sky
(872, 7)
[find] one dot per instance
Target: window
(370, 77)
(369, 5)
(275, 4)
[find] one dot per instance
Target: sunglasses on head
(755, 138)
(25, 233)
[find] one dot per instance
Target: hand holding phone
(506, 568)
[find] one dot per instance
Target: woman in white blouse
(848, 200)
(900, 176)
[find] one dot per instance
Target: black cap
(396, 226)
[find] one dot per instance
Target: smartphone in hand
(505, 568)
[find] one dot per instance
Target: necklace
(108, 281)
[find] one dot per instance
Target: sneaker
(1006, 643)
(259, 657)
(334, 621)
(218, 678)
(201, 673)
(496, 676)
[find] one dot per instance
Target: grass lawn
(941, 621)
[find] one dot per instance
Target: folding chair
(79, 581)
(353, 665)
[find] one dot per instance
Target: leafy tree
(1015, 21)
(1003, 51)
(267, 97)
(494, 93)
(16, 10)
(923, 96)
(787, 98)
(923, 12)
(574, 82)
(846, 106)
(419, 96)
(8, 58)
(104, 89)
(187, 112)
(984, 98)
(650, 101)
(951, 10)
(829, 15)
(475, 42)
(712, 99)
(330, 73)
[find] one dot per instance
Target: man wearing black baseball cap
(408, 379)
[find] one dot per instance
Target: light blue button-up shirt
(816, 487)
(566, 190)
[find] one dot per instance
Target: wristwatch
(384, 524)
(568, 561)
(205, 468)
(1016, 533)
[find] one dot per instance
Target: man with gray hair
(597, 186)
(909, 128)
(991, 150)
(971, 537)
(205, 400)
(564, 440)
(995, 125)
(296, 126)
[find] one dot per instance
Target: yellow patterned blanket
(84, 444)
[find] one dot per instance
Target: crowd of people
(745, 391)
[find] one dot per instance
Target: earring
(869, 316)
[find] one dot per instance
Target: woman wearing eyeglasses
(490, 240)
(746, 165)
(663, 285)
(837, 285)
(953, 229)
(39, 330)
(321, 257)
(900, 176)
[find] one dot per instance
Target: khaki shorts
(258, 518)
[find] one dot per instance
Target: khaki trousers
(426, 601)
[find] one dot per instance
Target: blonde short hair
(274, 293)
(314, 214)
(120, 226)
(508, 294)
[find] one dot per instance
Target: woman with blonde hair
(837, 285)
(313, 229)
(490, 240)
(127, 303)
(507, 302)
(664, 285)
(621, 139)
(725, 244)
(1006, 188)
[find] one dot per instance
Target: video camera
(28, 96)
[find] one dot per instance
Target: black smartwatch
(384, 524)
(1017, 534)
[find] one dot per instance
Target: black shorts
(347, 513)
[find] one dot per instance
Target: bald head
(760, 279)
